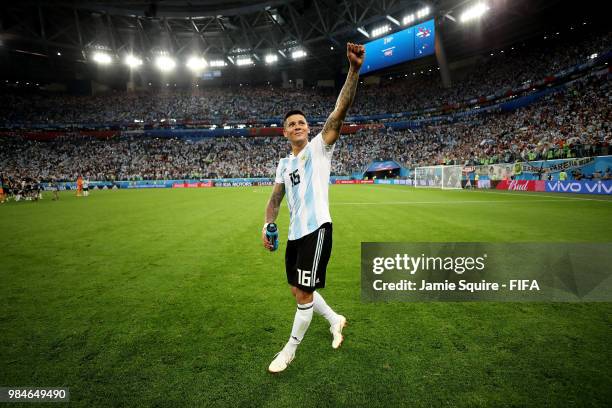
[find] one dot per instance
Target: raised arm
(331, 130)
(278, 192)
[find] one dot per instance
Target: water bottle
(272, 235)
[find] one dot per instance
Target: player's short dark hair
(293, 112)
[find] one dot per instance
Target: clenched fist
(355, 54)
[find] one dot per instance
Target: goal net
(438, 176)
(428, 176)
(451, 176)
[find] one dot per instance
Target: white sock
(303, 316)
(322, 308)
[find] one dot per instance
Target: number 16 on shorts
(304, 277)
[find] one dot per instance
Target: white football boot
(336, 331)
(280, 362)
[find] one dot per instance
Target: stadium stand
(571, 123)
(501, 72)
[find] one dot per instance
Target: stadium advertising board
(204, 184)
(233, 183)
(521, 185)
(397, 182)
(580, 187)
(141, 185)
(354, 182)
(413, 42)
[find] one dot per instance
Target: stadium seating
(573, 123)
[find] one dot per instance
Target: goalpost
(445, 177)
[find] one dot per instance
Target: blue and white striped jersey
(306, 180)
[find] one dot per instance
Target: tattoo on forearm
(347, 94)
(274, 205)
(344, 102)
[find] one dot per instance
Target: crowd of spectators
(513, 68)
(573, 123)
(569, 124)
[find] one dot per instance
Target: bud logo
(521, 185)
(518, 185)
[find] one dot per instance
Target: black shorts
(306, 259)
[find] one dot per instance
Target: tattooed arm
(272, 210)
(331, 131)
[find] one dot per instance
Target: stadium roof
(57, 38)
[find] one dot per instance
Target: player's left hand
(355, 54)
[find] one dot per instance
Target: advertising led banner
(521, 185)
(354, 182)
(204, 184)
(580, 187)
(403, 182)
(405, 45)
(134, 185)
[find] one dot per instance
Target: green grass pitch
(167, 298)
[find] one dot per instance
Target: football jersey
(306, 180)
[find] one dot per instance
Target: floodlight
(298, 54)
(423, 12)
(408, 19)
(271, 58)
(132, 61)
(242, 61)
(217, 63)
(102, 58)
(165, 63)
(473, 12)
(196, 64)
(378, 31)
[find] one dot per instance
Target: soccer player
(86, 187)
(304, 176)
(2, 195)
(55, 187)
(79, 183)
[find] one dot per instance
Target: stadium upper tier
(573, 123)
(516, 68)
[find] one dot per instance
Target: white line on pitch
(536, 194)
(509, 193)
(444, 202)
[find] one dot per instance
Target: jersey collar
(301, 153)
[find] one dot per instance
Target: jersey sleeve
(320, 148)
(279, 173)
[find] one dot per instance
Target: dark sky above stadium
(48, 42)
